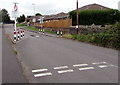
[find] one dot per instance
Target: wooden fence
(56, 24)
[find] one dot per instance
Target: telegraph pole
(77, 16)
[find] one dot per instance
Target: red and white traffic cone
(15, 37)
(21, 35)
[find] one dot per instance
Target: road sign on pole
(41, 19)
(15, 8)
(15, 14)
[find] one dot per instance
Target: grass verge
(20, 25)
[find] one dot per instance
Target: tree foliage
(21, 18)
(38, 14)
(5, 16)
(98, 17)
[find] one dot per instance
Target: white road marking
(43, 74)
(86, 68)
(103, 66)
(77, 65)
(61, 67)
(99, 63)
(39, 70)
(65, 71)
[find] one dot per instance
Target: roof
(94, 7)
(56, 16)
(31, 17)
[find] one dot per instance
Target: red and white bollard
(18, 36)
(21, 35)
(15, 37)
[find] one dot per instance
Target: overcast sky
(46, 7)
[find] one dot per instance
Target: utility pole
(77, 16)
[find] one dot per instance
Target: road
(57, 60)
(11, 69)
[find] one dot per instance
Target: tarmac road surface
(56, 60)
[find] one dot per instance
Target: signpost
(15, 14)
(41, 22)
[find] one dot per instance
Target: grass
(69, 36)
(20, 25)
(50, 32)
(32, 28)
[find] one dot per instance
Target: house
(59, 16)
(30, 18)
(94, 7)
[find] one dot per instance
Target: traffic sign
(41, 19)
(15, 14)
(15, 8)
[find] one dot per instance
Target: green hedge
(98, 17)
(109, 38)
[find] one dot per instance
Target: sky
(47, 7)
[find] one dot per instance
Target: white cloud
(52, 6)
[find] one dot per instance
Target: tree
(0, 15)
(5, 16)
(38, 14)
(21, 18)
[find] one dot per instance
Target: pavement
(0, 53)
(11, 69)
(56, 60)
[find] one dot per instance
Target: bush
(109, 38)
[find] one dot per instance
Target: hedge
(98, 17)
(109, 38)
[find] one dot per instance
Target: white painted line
(77, 65)
(65, 71)
(99, 63)
(43, 74)
(61, 67)
(39, 70)
(86, 68)
(103, 66)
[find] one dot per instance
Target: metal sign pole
(15, 24)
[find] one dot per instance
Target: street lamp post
(34, 8)
(34, 13)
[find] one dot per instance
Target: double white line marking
(41, 74)
(61, 67)
(63, 71)
(85, 68)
